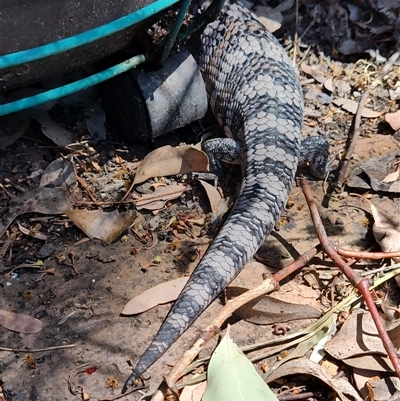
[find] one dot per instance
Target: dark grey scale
(256, 96)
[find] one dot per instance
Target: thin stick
(37, 349)
(350, 151)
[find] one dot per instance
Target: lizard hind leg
(222, 150)
(315, 151)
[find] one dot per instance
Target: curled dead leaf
(213, 195)
(59, 173)
(344, 390)
(314, 71)
(161, 195)
(106, 226)
(393, 119)
(39, 200)
(391, 177)
(59, 135)
(384, 229)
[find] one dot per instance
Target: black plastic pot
(26, 24)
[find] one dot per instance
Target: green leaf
(232, 377)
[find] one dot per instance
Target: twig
(355, 279)
(30, 266)
(132, 184)
(37, 349)
(296, 35)
(86, 188)
(118, 396)
(9, 196)
(367, 255)
(350, 151)
(357, 120)
(109, 203)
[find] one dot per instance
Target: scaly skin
(255, 94)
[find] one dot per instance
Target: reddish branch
(361, 283)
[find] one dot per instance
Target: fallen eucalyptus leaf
(193, 393)
(19, 322)
(384, 230)
(269, 310)
(351, 106)
(161, 195)
(59, 135)
(168, 160)
(106, 226)
(160, 294)
(39, 200)
(59, 173)
(391, 177)
(213, 195)
(372, 173)
(358, 343)
(95, 119)
(393, 119)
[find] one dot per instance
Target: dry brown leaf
(351, 106)
(60, 136)
(32, 233)
(341, 386)
(162, 194)
(376, 169)
(39, 200)
(213, 195)
(268, 310)
(313, 71)
(19, 322)
(59, 173)
(359, 345)
(373, 387)
(287, 304)
(384, 229)
(295, 293)
(385, 233)
(106, 226)
(194, 392)
(160, 294)
(391, 177)
(169, 160)
(328, 84)
(393, 119)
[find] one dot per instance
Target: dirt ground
(85, 342)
